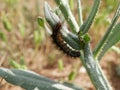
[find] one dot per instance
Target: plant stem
(94, 70)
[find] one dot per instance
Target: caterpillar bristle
(58, 40)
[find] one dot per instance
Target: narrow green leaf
(22, 29)
(86, 38)
(50, 16)
(14, 64)
(99, 48)
(86, 25)
(40, 21)
(32, 81)
(22, 60)
(72, 75)
(71, 3)
(65, 9)
(38, 36)
(3, 36)
(60, 65)
(80, 12)
(12, 3)
(113, 38)
(7, 24)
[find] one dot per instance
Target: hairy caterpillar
(58, 40)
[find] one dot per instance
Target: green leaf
(113, 38)
(22, 29)
(12, 3)
(80, 17)
(66, 11)
(50, 16)
(86, 25)
(39, 36)
(99, 49)
(7, 24)
(86, 38)
(60, 65)
(72, 75)
(22, 60)
(14, 64)
(71, 3)
(40, 21)
(32, 81)
(3, 36)
(22, 63)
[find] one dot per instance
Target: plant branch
(94, 70)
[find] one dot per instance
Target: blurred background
(24, 44)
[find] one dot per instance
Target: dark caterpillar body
(58, 40)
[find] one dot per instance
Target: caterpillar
(58, 40)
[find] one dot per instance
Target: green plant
(20, 65)
(32, 81)
(77, 39)
(3, 36)
(60, 65)
(22, 30)
(12, 3)
(6, 23)
(72, 75)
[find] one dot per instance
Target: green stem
(94, 70)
